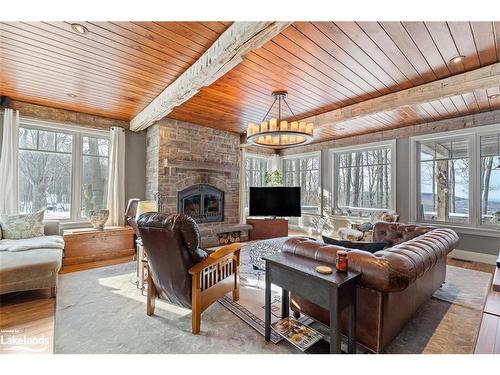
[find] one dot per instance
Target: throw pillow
(371, 247)
(365, 227)
(17, 227)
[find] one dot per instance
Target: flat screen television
(275, 201)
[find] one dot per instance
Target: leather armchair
(182, 273)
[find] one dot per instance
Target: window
(304, 171)
(444, 180)
(363, 181)
(490, 179)
(457, 177)
(45, 172)
(95, 174)
(255, 171)
(53, 161)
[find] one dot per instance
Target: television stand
(265, 228)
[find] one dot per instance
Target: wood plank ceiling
(117, 68)
(114, 70)
(326, 65)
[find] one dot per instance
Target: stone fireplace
(202, 202)
(195, 170)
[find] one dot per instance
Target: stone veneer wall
(177, 140)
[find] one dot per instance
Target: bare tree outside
(45, 172)
(444, 180)
(363, 181)
(255, 170)
(46, 167)
(490, 179)
(94, 174)
(304, 172)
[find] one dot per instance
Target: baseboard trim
(473, 256)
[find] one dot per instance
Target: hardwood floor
(31, 314)
(476, 266)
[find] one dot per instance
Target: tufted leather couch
(394, 282)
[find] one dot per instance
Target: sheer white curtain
(243, 188)
(9, 163)
(116, 180)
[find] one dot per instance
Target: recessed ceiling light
(493, 96)
(79, 29)
(457, 59)
(71, 95)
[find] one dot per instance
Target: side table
(334, 292)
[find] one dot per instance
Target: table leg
(335, 338)
(351, 330)
(285, 303)
(267, 319)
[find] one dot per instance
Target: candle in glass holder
(341, 263)
(273, 125)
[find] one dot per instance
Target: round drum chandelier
(277, 133)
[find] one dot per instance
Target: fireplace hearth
(203, 202)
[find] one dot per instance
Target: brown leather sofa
(394, 282)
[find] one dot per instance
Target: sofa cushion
(29, 270)
(396, 233)
(16, 227)
(371, 247)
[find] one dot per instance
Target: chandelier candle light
(277, 133)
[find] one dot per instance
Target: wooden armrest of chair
(213, 278)
(215, 256)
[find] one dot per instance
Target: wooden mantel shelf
(206, 166)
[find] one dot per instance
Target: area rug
(102, 311)
(251, 306)
(449, 322)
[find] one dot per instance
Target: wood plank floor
(32, 313)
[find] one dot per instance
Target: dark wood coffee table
(334, 292)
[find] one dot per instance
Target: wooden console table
(264, 229)
(334, 292)
(90, 245)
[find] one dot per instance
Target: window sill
(477, 231)
(66, 221)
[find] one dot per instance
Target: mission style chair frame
(212, 278)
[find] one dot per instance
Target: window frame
(77, 132)
(296, 158)
(473, 135)
(247, 187)
(335, 152)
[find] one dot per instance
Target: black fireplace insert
(204, 203)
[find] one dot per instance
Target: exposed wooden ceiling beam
(226, 52)
(482, 78)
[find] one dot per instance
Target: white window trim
(302, 156)
(363, 147)
(77, 131)
(266, 158)
(474, 135)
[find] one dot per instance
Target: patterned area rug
(102, 311)
(251, 306)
